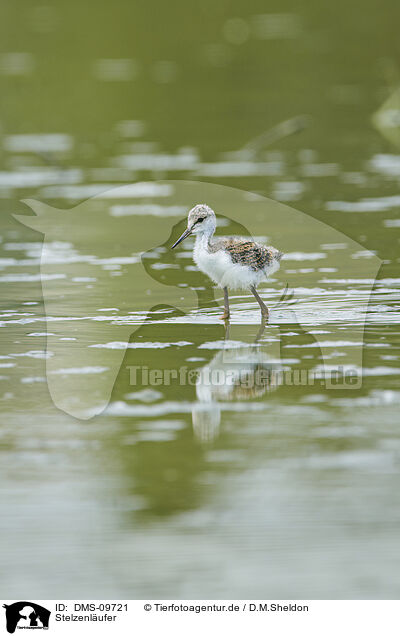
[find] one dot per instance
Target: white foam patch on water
(62, 253)
(23, 262)
(326, 343)
(160, 266)
(29, 278)
(39, 355)
(391, 222)
(22, 246)
(381, 371)
(386, 164)
(334, 246)
(223, 344)
(388, 281)
(303, 256)
(110, 345)
(320, 169)
(140, 345)
(147, 395)
(108, 191)
(162, 425)
(377, 204)
(38, 143)
(318, 331)
(377, 397)
(240, 169)
(148, 210)
(348, 281)
(38, 334)
(302, 270)
(33, 380)
(185, 254)
(158, 161)
(123, 409)
(364, 254)
(117, 260)
(79, 370)
(35, 177)
(288, 190)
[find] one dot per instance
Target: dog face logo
(86, 337)
(26, 615)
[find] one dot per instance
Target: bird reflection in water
(235, 374)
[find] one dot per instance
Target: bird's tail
(277, 254)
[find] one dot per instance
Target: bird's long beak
(186, 233)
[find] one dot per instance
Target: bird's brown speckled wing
(245, 252)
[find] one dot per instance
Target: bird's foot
(265, 313)
(225, 316)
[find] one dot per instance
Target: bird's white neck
(203, 240)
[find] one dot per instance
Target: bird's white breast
(214, 264)
(220, 268)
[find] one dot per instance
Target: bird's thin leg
(227, 329)
(263, 307)
(261, 329)
(226, 313)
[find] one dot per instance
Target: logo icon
(26, 615)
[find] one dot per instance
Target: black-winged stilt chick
(231, 262)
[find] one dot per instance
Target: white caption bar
(279, 618)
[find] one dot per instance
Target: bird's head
(201, 220)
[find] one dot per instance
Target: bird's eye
(201, 219)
